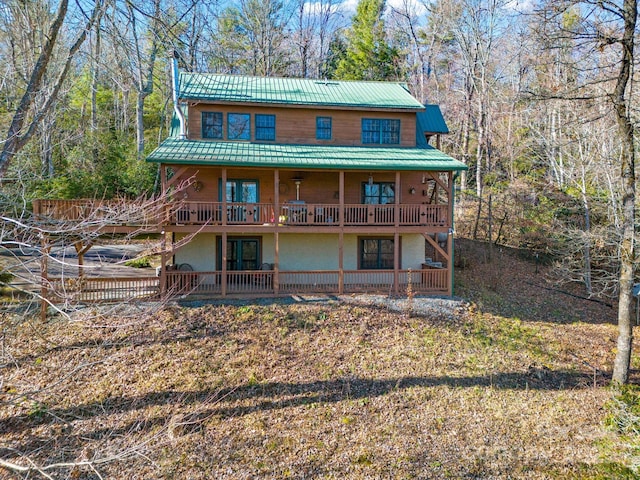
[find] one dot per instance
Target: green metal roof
(431, 120)
(296, 91)
(244, 154)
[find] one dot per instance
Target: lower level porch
(248, 283)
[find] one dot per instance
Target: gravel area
(444, 308)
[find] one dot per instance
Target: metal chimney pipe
(175, 77)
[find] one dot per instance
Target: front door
(242, 253)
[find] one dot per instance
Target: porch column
(396, 236)
(396, 207)
(163, 195)
(396, 262)
(163, 265)
(276, 233)
(341, 234)
(223, 246)
(44, 269)
(450, 263)
(341, 262)
(276, 263)
(451, 196)
(223, 195)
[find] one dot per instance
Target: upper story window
(238, 126)
(323, 128)
(380, 130)
(211, 125)
(378, 193)
(265, 127)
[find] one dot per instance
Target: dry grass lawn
(313, 390)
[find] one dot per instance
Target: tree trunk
(15, 139)
(627, 247)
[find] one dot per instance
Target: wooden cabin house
(300, 185)
(283, 186)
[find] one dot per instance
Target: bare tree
(29, 113)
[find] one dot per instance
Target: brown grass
(310, 390)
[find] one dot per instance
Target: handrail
(235, 213)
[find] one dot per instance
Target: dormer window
(211, 125)
(238, 126)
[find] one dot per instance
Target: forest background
(539, 98)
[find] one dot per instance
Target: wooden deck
(245, 283)
(115, 213)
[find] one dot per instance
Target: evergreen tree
(368, 55)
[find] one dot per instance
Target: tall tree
(368, 55)
(597, 71)
(40, 95)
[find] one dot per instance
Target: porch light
(412, 190)
(297, 181)
(424, 178)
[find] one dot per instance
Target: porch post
(223, 194)
(163, 194)
(44, 269)
(450, 263)
(452, 200)
(223, 246)
(276, 262)
(396, 207)
(341, 262)
(396, 262)
(341, 234)
(163, 265)
(276, 233)
(396, 236)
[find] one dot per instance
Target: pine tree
(368, 55)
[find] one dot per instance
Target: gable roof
(320, 157)
(296, 91)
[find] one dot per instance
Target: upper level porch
(215, 215)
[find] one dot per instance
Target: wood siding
(315, 187)
(298, 125)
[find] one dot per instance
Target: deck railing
(255, 282)
(250, 283)
(217, 213)
(316, 214)
(101, 289)
(105, 212)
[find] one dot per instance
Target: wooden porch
(245, 283)
(97, 212)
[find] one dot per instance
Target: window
(376, 253)
(379, 131)
(245, 191)
(238, 126)
(242, 253)
(323, 128)
(378, 193)
(211, 125)
(265, 127)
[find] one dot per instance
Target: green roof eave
(319, 157)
